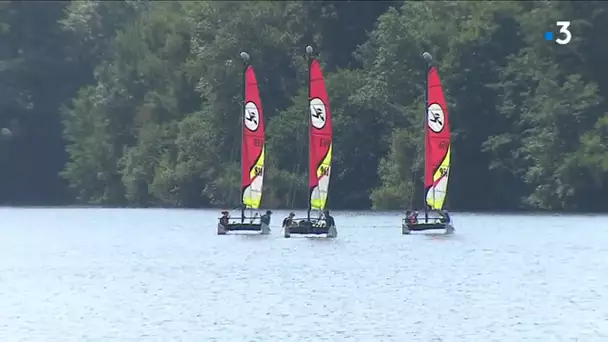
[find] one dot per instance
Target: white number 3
(563, 29)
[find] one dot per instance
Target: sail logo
(323, 171)
(318, 115)
(257, 170)
(252, 117)
(435, 118)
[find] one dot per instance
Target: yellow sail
(438, 191)
(318, 196)
(252, 195)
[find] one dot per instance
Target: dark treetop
(137, 103)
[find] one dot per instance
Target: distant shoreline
(370, 211)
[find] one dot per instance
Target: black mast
(245, 58)
(309, 52)
(428, 59)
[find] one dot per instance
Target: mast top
(427, 57)
(309, 50)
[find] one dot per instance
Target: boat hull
(243, 227)
(308, 228)
(407, 228)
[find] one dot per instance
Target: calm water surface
(163, 275)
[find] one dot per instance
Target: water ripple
(163, 275)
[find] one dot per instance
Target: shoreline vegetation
(137, 103)
(303, 210)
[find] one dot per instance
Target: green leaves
(147, 98)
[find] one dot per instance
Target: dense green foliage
(136, 103)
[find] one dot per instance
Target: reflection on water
(163, 275)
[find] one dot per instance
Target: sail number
(257, 170)
(325, 142)
(258, 143)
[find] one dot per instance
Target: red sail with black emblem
(253, 147)
(438, 144)
(320, 139)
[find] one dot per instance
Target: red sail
(320, 143)
(252, 154)
(437, 159)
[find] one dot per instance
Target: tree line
(137, 103)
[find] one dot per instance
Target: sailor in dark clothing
(224, 219)
(445, 217)
(266, 217)
(414, 217)
(288, 221)
(329, 220)
(407, 215)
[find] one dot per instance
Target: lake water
(164, 275)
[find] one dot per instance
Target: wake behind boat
(253, 148)
(436, 161)
(320, 152)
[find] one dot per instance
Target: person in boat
(288, 221)
(266, 218)
(329, 220)
(320, 221)
(224, 219)
(414, 217)
(408, 213)
(253, 218)
(445, 216)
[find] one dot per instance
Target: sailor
(414, 217)
(320, 221)
(266, 217)
(224, 219)
(329, 220)
(288, 221)
(445, 217)
(407, 215)
(252, 219)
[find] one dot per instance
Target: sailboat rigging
(320, 148)
(253, 149)
(436, 157)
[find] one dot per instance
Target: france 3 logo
(564, 35)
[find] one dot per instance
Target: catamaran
(437, 157)
(253, 148)
(319, 155)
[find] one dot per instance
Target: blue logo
(548, 35)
